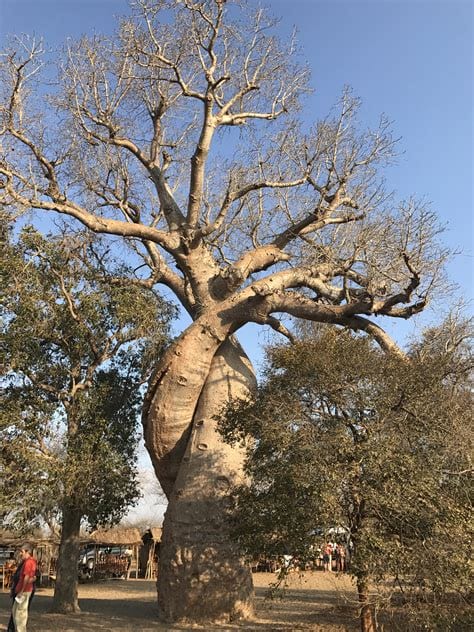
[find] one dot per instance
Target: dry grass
(316, 601)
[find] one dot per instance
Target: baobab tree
(183, 135)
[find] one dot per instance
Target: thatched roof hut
(124, 538)
(13, 540)
(113, 537)
(8, 539)
(45, 548)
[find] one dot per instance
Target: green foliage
(98, 474)
(77, 343)
(24, 463)
(343, 434)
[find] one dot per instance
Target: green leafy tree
(339, 433)
(77, 344)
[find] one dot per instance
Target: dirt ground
(316, 601)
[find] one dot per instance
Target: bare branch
(231, 196)
(301, 307)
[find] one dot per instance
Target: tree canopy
(340, 434)
(75, 351)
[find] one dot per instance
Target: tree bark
(173, 394)
(65, 590)
(367, 615)
(202, 576)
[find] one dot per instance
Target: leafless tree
(184, 135)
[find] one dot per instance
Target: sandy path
(316, 601)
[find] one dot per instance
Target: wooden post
(96, 559)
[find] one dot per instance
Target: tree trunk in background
(202, 576)
(367, 615)
(65, 589)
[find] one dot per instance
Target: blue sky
(410, 59)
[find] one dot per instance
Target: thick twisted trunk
(65, 589)
(173, 395)
(201, 575)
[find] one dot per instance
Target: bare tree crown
(183, 134)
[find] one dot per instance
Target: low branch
(97, 224)
(302, 307)
(277, 326)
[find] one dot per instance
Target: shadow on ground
(131, 607)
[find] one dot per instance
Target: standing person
(9, 569)
(13, 583)
(24, 588)
(340, 558)
(327, 556)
